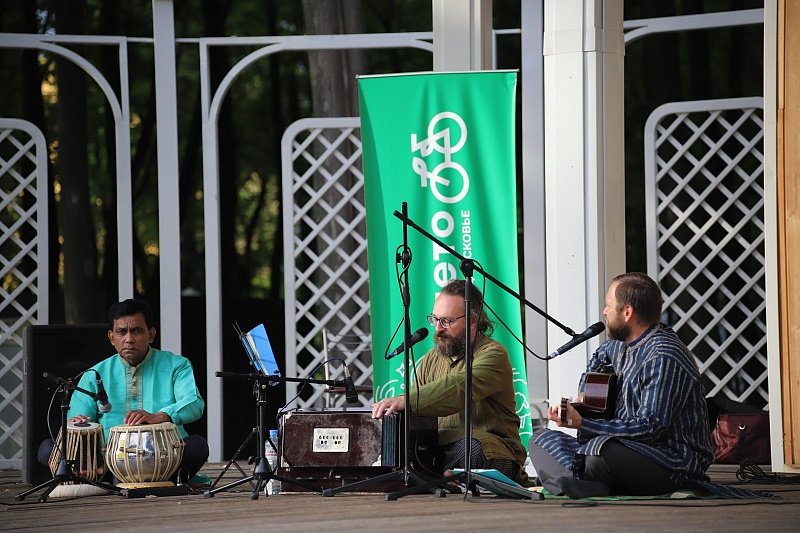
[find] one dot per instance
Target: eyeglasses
(443, 322)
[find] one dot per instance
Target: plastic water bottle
(273, 485)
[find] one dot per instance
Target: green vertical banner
(445, 144)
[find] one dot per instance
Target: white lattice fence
(23, 268)
(705, 236)
(325, 250)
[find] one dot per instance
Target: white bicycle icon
(440, 141)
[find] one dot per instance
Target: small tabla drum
(144, 455)
(85, 450)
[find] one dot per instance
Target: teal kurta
(162, 382)
(440, 390)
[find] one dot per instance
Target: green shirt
(163, 382)
(441, 392)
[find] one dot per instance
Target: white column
(462, 35)
(778, 404)
(584, 171)
(213, 261)
(169, 238)
(533, 205)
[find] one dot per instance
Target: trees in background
(69, 108)
(72, 112)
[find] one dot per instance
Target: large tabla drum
(85, 450)
(147, 454)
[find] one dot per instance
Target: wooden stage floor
(235, 511)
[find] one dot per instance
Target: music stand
(64, 472)
(259, 352)
(256, 364)
(256, 345)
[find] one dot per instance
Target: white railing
(23, 268)
(325, 250)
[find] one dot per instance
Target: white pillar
(169, 238)
(462, 35)
(778, 403)
(584, 171)
(213, 261)
(533, 205)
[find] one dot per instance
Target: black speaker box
(63, 351)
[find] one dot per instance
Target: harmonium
(335, 447)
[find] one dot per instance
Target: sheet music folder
(498, 483)
(259, 350)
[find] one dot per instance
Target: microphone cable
(511, 332)
(500, 320)
(748, 473)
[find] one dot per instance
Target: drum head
(83, 426)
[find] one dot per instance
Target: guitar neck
(562, 410)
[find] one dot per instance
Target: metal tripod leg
(64, 473)
(261, 475)
(476, 480)
(61, 478)
(233, 462)
(431, 486)
(261, 472)
(425, 483)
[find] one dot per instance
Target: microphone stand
(467, 266)
(407, 474)
(262, 472)
(64, 472)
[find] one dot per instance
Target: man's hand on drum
(388, 406)
(140, 417)
(79, 419)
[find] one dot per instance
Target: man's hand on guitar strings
(565, 415)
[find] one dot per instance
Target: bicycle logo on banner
(443, 174)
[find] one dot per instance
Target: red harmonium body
(334, 447)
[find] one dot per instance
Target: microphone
(102, 397)
(349, 387)
(592, 331)
(418, 335)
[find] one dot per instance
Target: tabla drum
(85, 450)
(144, 455)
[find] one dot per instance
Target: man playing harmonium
(440, 391)
(145, 386)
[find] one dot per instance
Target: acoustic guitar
(597, 400)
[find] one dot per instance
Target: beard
(618, 331)
(448, 346)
